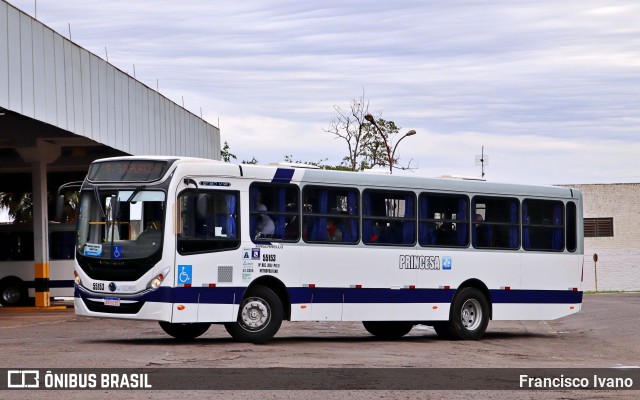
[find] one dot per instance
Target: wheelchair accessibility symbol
(117, 251)
(184, 274)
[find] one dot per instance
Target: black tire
(259, 317)
(443, 330)
(388, 330)
(13, 292)
(469, 315)
(185, 331)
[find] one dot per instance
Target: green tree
(253, 160)
(226, 154)
(375, 151)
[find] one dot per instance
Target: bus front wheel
(388, 329)
(259, 318)
(469, 316)
(185, 331)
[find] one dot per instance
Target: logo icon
(446, 262)
(112, 286)
(184, 276)
(18, 379)
(255, 253)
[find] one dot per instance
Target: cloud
(549, 88)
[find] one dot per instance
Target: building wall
(618, 266)
(47, 77)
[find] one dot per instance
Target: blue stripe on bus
(355, 296)
(232, 295)
(536, 296)
(283, 175)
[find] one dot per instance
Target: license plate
(110, 301)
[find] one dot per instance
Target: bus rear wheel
(388, 329)
(259, 318)
(185, 331)
(469, 316)
(12, 292)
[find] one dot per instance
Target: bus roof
(369, 179)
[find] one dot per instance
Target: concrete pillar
(39, 156)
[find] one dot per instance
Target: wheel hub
(255, 314)
(11, 295)
(471, 314)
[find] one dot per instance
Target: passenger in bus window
(265, 225)
(446, 235)
(483, 232)
(344, 227)
(375, 233)
(292, 227)
(334, 234)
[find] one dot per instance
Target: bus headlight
(155, 283)
(76, 277)
(157, 280)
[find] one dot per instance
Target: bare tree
(368, 143)
(351, 126)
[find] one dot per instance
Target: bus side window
(62, 245)
(572, 230)
(331, 214)
(274, 209)
(542, 225)
(443, 220)
(496, 223)
(4, 246)
(388, 217)
(208, 222)
(21, 245)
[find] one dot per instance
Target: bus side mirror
(59, 209)
(115, 208)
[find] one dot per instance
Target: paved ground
(603, 335)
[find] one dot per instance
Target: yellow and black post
(42, 272)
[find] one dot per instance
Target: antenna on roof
(481, 160)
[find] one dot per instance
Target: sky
(551, 89)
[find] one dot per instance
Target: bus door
(207, 257)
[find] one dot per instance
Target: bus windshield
(120, 224)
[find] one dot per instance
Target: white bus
(190, 242)
(17, 273)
